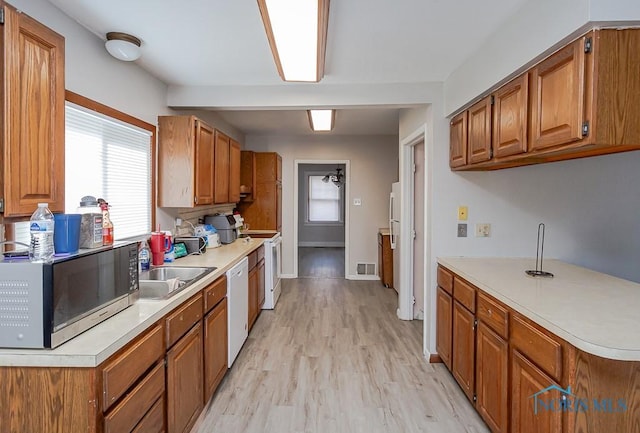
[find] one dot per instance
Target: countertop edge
(580, 343)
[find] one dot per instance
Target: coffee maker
(225, 225)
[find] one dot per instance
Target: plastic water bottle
(41, 227)
(144, 256)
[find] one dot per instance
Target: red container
(158, 247)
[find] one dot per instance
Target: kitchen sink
(164, 282)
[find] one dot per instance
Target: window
(324, 201)
(109, 155)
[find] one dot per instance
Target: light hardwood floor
(333, 358)
(320, 262)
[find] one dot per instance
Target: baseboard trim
(363, 277)
(288, 276)
(321, 244)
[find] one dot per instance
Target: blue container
(66, 233)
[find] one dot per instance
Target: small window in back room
(110, 158)
(324, 201)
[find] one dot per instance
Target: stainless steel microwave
(42, 305)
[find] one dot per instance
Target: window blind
(324, 200)
(110, 159)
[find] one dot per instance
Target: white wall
(373, 166)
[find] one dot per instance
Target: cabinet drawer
(214, 293)
(261, 253)
(153, 421)
(492, 313)
(537, 345)
(187, 315)
(445, 280)
(125, 416)
(253, 259)
(123, 371)
(465, 293)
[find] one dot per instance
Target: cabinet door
(253, 296)
(215, 348)
(261, 285)
(458, 140)
(278, 206)
(510, 125)
(558, 93)
(221, 171)
(185, 381)
(203, 164)
(234, 171)
(479, 134)
(33, 101)
(463, 353)
(527, 415)
(492, 357)
(444, 310)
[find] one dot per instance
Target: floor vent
(366, 269)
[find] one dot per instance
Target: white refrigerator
(394, 231)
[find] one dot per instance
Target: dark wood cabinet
(234, 171)
(256, 285)
(492, 373)
(32, 115)
(479, 134)
(253, 296)
(215, 348)
(185, 381)
(510, 117)
(444, 326)
(458, 140)
(221, 183)
(261, 284)
(464, 345)
(264, 210)
(385, 260)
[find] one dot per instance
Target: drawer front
(445, 280)
(253, 259)
(214, 293)
(261, 253)
(465, 293)
(125, 416)
(493, 314)
(539, 347)
(123, 371)
(179, 322)
(153, 421)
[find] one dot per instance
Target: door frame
(347, 178)
(407, 187)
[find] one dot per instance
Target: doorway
(321, 219)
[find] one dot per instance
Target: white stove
(272, 266)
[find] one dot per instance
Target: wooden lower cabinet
(463, 353)
(153, 421)
(253, 296)
(492, 379)
(185, 381)
(261, 285)
(526, 415)
(444, 310)
(215, 348)
(385, 260)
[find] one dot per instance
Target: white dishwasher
(237, 307)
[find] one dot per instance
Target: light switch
(463, 212)
(357, 202)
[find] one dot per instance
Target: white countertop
(95, 345)
(595, 312)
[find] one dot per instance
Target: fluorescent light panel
(321, 120)
(297, 31)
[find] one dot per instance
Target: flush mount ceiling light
(321, 120)
(123, 46)
(297, 34)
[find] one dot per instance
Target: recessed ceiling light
(321, 120)
(297, 34)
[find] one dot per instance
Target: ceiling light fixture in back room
(337, 178)
(297, 34)
(123, 46)
(321, 120)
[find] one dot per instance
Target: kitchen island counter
(95, 345)
(595, 312)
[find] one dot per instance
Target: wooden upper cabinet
(222, 143)
(558, 97)
(264, 210)
(204, 163)
(510, 120)
(234, 171)
(479, 132)
(185, 162)
(33, 114)
(248, 173)
(458, 141)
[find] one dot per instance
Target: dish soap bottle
(144, 256)
(107, 225)
(41, 226)
(169, 254)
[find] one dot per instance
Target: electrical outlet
(357, 202)
(462, 230)
(483, 230)
(463, 213)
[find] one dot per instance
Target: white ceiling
(222, 42)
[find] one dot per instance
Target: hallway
(320, 262)
(333, 357)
